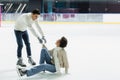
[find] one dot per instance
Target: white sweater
(25, 21)
(60, 59)
(56, 60)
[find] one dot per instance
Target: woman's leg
(45, 57)
(41, 67)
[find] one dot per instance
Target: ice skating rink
(93, 51)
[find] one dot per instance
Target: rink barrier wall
(68, 18)
(47, 22)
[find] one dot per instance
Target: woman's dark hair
(36, 11)
(63, 42)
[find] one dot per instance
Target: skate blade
(18, 66)
(20, 77)
(31, 64)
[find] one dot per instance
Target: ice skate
(30, 61)
(21, 72)
(20, 63)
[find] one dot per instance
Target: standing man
(22, 23)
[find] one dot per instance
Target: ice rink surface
(93, 51)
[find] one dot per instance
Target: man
(51, 61)
(22, 23)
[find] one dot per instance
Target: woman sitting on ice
(51, 60)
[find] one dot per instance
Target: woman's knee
(43, 51)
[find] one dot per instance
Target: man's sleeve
(66, 63)
(39, 28)
(33, 31)
(51, 52)
(56, 60)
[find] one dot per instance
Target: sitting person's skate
(21, 72)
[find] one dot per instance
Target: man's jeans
(20, 36)
(48, 66)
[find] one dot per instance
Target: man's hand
(40, 40)
(43, 46)
(43, 38)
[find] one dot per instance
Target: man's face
(35, 16)
(58, 43)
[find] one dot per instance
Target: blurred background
(63, 10)
(61, 6)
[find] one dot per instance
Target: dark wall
(114, 6)
(68, 6)
(106, 6)
(94, 6)
(98, 7)
(33, 4)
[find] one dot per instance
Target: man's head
(62, 42)
(35, 14)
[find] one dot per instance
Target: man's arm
(66, 64)
(33, 31)
(40, 30)
(56, 60)
(29, 24)
(35, 34)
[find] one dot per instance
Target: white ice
(93, 51)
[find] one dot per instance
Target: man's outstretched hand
(43, 38)
(40, 40)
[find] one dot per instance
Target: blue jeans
(20, 36)
(48, 66)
